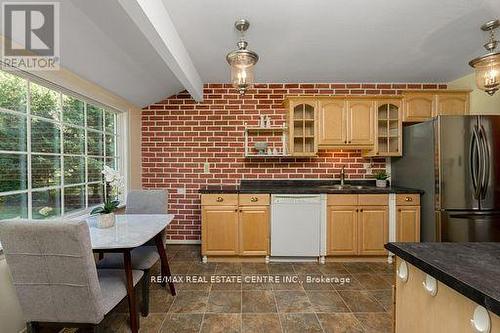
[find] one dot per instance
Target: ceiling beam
(152, 18)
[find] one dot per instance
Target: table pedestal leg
(134, 322)
(165, 269)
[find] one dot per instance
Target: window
(53, 147)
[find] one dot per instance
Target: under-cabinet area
(241, 225)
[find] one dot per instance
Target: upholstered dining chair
(55, 277)
(146, 256)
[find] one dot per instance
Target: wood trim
(342, 199)
(373, 199)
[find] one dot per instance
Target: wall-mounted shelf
(275, 136)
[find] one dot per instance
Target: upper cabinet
(302, 118)
(452, 103)
(423, 105)
(388, 129)
(360, 122)
(346, 122)
(332, 124)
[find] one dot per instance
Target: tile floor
(364, 304)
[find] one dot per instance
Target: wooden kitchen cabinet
(332, 122)
(219, 230)
(341, 228)
(417, 311)
(408, 218)
(302, 121)
(419, 106)
(373, 230)
(452, 103)
(357, 224)
(233, 224)
(360, 122)
(254, 230)
(423, 105)
(388, 129)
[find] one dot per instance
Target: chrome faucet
(342, 176)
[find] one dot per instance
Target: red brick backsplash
(179, 135)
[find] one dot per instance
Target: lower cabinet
(373, 230)
(359, 225)
(342, 230)
(234, 225)
(254, 230)
(219, 230)
(448, 311)
(408, 218)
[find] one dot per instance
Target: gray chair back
(147, 202)
(53, 270)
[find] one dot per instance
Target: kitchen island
(447, 287)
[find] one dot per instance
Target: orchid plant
(116, 184)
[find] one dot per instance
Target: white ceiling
(297, 41)
(336, 41)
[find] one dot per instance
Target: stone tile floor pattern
(363, 305)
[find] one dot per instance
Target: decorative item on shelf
(105, 214)
(269, 151)
(242, 60)
(487, 67)
(381, 178)
(262, 122)
(268, 122)
(261, 147)
(275, 151)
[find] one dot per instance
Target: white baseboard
(179, 241)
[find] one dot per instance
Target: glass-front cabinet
(302, 120)
(388, 129)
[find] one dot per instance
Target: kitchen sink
(346, 187)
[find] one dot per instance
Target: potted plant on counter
(381, 178)
(105, 213)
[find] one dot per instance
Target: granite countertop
(472, 269)
(305, 187)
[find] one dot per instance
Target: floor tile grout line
(277, 309)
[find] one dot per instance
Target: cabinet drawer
(254, 199)
(342, 199)
(408, 200)
(219, 199)
(373, 199)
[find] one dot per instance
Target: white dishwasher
(298, 226)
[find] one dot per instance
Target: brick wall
(180, 135)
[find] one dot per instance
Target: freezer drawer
(468, 226)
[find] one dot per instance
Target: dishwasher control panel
(296, 199)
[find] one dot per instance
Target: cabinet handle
(408, 199)
(399, 209)
(220, 199)
(236, 211)
(361, 210)
(345, 141)
(357, 210)
(254, 199)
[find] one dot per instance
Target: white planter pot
(105, 220)
(381, 183)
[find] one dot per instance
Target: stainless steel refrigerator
(456, 161)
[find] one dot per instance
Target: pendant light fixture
(487, 67)
(242, 60)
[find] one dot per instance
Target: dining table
(129, 232)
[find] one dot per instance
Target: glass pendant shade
(242, 61)
(487, 69)
(242, 64)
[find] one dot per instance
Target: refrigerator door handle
(474, 162)
(485, 157)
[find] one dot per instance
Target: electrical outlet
(181, 190)
(206, 167)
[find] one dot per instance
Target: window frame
(119, 156)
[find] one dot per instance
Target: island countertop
(306, 187)
(471, 269)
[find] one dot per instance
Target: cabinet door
(342, 230)
(332, 122)
(254, 230)
(453, 104)
(373, 230)
(219, 230)
(408, 224)
(360, 122)
(419, 107)
(302, 127)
